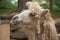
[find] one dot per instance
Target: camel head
(25, 17)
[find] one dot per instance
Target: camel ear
(45, 11)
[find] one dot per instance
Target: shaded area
(19, 39)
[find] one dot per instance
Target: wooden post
(4, 32)
(21, 4)
(51, 4)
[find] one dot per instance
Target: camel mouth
(12, 22)
(16, 23)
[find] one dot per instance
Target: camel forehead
(35, 7)
(23, 13)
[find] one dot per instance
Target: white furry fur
(35, 7)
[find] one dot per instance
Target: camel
(36, 23)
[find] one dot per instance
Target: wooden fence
(4, 32)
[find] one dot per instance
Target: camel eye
(32, 14)
(15, 17)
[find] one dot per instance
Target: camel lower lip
(16, 23)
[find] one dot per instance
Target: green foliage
(37, 1)
(7, 6)
(3, 4)
(56, 9)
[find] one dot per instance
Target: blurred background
(8, 6)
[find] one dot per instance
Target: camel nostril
(15, 17)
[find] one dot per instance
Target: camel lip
(14, 22)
